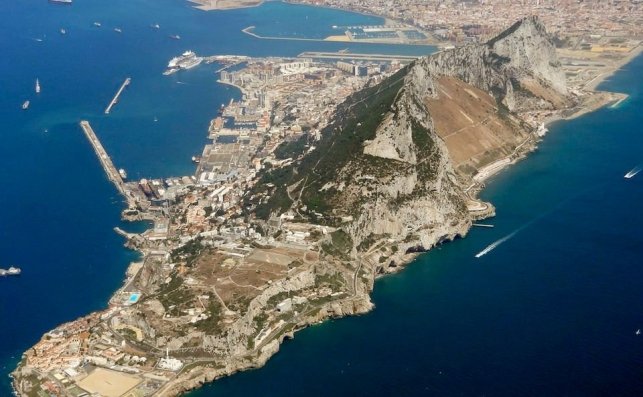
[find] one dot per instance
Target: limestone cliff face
(456, 112)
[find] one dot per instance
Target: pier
(118, 94)
(357, 57)
(111, 171)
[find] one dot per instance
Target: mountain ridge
(405, 175)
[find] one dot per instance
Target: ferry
(187, 60)
(25, 105)
(37, 86)
(12, 271)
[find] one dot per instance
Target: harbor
(117, 96)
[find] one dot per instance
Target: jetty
(111, 171)
(118, 94)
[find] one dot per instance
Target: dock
(118, 94)
(111, 171)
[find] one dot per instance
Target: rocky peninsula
(261, 243)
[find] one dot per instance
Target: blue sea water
(57, 209)
(552, 311)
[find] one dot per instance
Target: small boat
(12, 271)
(97, 24)
(638, 331)
(156, 119)
(155, 26)
(63, 31)
(37, 86)
(196, 159)
(118, 30)
(122, 173)
(25, 105)
(175, 37)
(65, 2)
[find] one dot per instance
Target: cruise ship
(12, 271)
(187, 60)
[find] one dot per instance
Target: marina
(117, 96)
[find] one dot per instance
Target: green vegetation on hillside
(356, 121)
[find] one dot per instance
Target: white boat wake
(633, 172)
(496, 243)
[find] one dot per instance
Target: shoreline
(601, 100)
(273, 346)
(596, 81)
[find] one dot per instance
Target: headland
(256, 244)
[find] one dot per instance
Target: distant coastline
(211, 5)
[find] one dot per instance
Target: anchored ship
(187, 60)
(12, 271)
(37, 86)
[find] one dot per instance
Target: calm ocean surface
(552, 311)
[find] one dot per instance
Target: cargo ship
(187, 60)
(12, 271)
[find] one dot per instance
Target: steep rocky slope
(395, 161)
